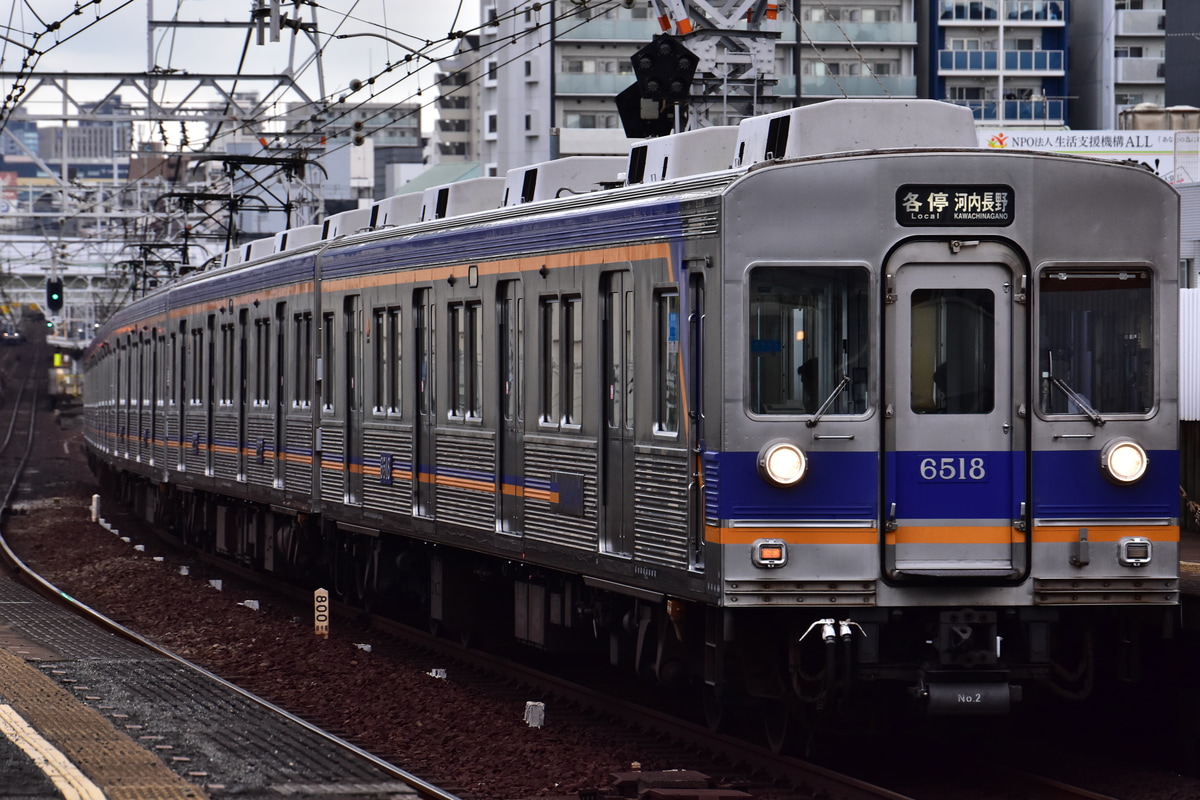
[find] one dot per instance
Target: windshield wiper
(1076, 398)
(842, 384)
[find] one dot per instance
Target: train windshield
(808, 333)
(1096, 341)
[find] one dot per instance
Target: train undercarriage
(847, 671)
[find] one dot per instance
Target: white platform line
(65, 776)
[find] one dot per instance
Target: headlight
(782, 464)
(1123, 461)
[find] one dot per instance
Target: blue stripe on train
(844, 486)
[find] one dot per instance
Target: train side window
(197, 395)
(395, 396)
(262, 361)
(228, 340)
(302, 377)
(172, 366)
(809, 329)
(573, 360)
(953, 351)
(327, 360)
(562, 361)
(1096, 340)
(667, 368)
(466, 361)
(551, 355)
(379, 361)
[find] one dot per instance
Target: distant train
(826, 409)
(10, 333)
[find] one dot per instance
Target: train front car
(948, 437)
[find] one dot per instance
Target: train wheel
(713, 702)
(777, 725)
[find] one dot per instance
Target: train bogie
(808, 425)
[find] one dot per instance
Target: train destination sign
(938, 204)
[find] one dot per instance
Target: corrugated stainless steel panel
(260, 438)
(333, 452)
(1189, 220)
(543, 522)
(660, 508)
(1189, 354)
(298, 457)
(195, 446)
(466, 480)
(397, 442)
(225, 443)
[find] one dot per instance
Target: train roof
(676, 168)
(834, 126)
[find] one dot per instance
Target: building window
(967, 93)
(591, 119)
(493, 123)
(1128, 52)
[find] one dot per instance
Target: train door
(185, 386)
(955, 394)
(510, 483)
(617, 425)
(280, 406)
(352, 327)
(137, 424)
(693, 405)
(210, 396)
(155, 415)
(242, 388)
(424, 341)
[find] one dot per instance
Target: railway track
(19, 400)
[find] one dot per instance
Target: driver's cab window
(808, 345)
(1096, 341)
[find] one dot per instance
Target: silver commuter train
(828, 408)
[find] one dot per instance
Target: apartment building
(1004, 59)
(852, 48)
(1118, 58)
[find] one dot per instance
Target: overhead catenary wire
(338, 106)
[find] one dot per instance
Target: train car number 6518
(953, 468)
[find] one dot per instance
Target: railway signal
(54, 294)
(665, 70)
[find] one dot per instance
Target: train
(826, 412)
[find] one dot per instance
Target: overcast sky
(114, 36)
